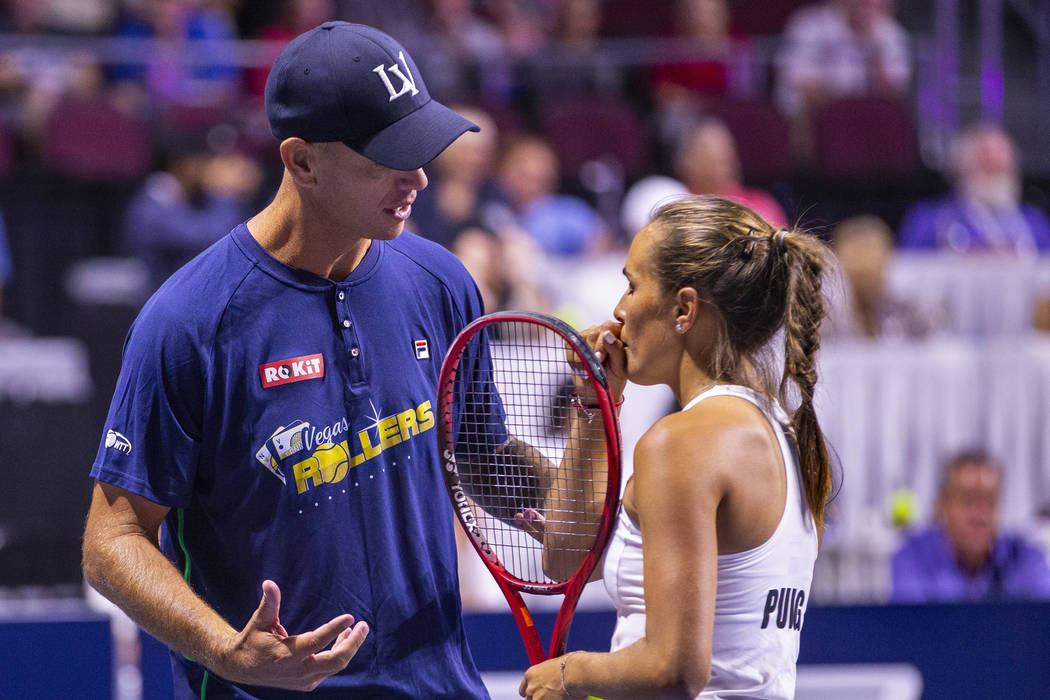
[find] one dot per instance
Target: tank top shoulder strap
(773, 412)
(770, 408)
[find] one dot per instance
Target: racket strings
(544, 463)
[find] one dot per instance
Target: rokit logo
(294, 369)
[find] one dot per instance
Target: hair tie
(781, 247)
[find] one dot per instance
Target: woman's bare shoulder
(715, 434)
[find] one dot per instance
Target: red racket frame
(512, 586)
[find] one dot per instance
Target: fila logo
(294, 369)
(408, 82)
(118, 441)
(422, 350)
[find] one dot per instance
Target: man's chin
(389, 234)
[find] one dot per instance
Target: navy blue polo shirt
(289, 422)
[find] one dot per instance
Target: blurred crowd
(592, 112)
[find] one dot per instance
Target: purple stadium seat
(630, 18)
(761, 133)
(89, 138)
(750, 18)
(862, 136)
(587, 129)
(194, 118)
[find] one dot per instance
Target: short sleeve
(151, 438)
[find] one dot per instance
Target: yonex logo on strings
(408, 81)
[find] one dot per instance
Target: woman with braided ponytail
(712, 558)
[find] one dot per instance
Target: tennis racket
(531, 457)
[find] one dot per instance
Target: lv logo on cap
(408, 82)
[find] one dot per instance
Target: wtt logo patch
(294, 369)
(118, 441)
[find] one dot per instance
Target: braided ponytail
(806, 260)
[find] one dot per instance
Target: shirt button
(346, 323)
(354, 352)
(341, 295)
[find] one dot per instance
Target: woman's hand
(543, 682)
(604, 340)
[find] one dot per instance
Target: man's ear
(300, 160)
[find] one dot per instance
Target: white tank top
(762, 593)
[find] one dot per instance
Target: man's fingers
(316, 640)
(346, 645)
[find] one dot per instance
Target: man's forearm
(130, 571)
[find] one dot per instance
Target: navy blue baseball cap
(353, 83)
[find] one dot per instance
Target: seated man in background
(964, 556)
(984, 210)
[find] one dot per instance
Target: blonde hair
(760, 279)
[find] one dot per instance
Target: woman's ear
(686, 308)
(300, 160)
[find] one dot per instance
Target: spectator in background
(866, 308)
(461, 182)
(76, 17)
(1041, 313)
(507, 268)
(984, 211)
(188, 204)
(711, 63)
(35, 78)
(580, 23)
(524, 24)
(707, 163)
(644, 197)
(168, 75)
(839, 48)
(528, 174)
(572, 64)
(293, 17)
(963, 556)
(458, 49)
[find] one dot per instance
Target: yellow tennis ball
(904, 507)
(570, 314)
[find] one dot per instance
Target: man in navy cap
(272, 434)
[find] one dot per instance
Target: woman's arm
(678, 489)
